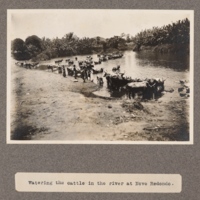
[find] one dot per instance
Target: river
(172, 67)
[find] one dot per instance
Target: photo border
(191, 71)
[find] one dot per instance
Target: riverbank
(47, 106)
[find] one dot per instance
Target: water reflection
(178, 62)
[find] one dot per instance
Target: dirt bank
(47, 106)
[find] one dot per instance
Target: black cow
(50, 67)
(58, 61)
(27, 65)
(154, 88)
(116, 81)
(97, 62)
(70, 62)
(114, 69)
(95, 71)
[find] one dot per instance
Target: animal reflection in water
(144, 88)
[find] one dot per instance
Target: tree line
(176, 33)
(36, 48)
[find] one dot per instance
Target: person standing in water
(75, 72)
(64, 72)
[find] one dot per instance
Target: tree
(19, 50)
(34, 45)
(34, 41)
(175, 33)
(18, 45)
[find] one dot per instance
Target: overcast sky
(87, 23)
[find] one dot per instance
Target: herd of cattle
(27, 65)
(116, 81)
(146, 88)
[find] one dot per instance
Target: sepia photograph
(100, 76)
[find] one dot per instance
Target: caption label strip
(91, 182)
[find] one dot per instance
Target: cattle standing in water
(159, 86)
(151, 89)
(33, 65)
(154, 88)
(70, 62)
(95, 71)
(147, 88)
(80, 62)
(102, 58)
(28, 65)
(114, 69)
(134, 88)
(116, 81)
(58, 61)
(97, 62)
(115, 56)
(49, 67)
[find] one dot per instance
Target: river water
(172, 67)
